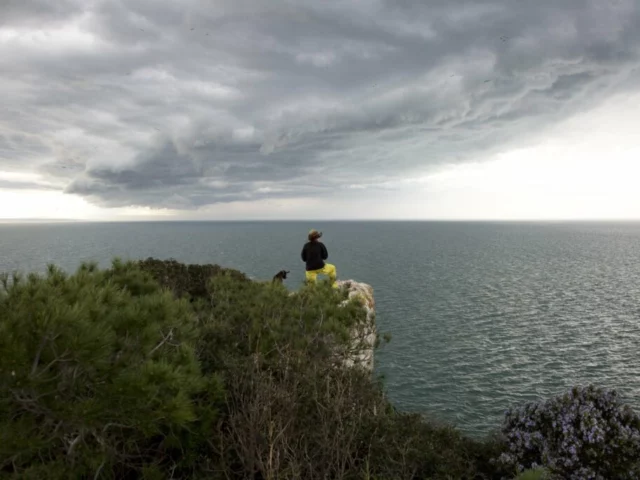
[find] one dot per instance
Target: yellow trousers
(329, 270)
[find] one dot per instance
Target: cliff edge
(364, 335)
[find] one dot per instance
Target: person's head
(314, 235)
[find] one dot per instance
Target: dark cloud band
(185, 104)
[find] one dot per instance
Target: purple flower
(585, 434)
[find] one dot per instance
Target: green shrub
(238, 317)
(184, 280)
(106, 375)
(293, 411)
(97, 374)
(410, 446)
(537, 474)
(244, 319)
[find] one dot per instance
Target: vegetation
(159, 370)
(537, 474)
(98, 374)
(586, 433)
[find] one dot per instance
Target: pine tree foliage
(97, 373)
(291, 409)
(160, 370)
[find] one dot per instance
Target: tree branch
(164, 340)
(36, 360)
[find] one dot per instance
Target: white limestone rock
(364, 335)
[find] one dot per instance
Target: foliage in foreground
(291, 409)
(106, 374)
(586, 433)
(157, 370)
(97, 374)
(537, 474)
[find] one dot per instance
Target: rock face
(364, 335)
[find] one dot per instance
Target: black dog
(280, 276)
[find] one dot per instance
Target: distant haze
(247, 109)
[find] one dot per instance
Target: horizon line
(414, 220)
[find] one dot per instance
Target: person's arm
(325, 254)
(304, 253)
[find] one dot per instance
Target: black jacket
(314, 254)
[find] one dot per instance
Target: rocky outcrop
(364, 335)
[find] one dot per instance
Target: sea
(483, 316)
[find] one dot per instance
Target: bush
(97, 375)
(156, 369)
(292, 410)
(190, 281)
(537, 474)
(409, 446)
(586, 433)
(239, 318)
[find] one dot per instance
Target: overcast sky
(238, 109)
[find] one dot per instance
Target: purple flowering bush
(587, 433)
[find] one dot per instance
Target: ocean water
(483, 316)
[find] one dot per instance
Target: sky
(299, 109)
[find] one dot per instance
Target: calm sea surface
(483, 316)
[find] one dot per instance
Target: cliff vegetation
(159, 370)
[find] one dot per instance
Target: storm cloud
(185, 104)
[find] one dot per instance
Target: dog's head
(281, 275)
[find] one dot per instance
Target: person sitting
(314, 254)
